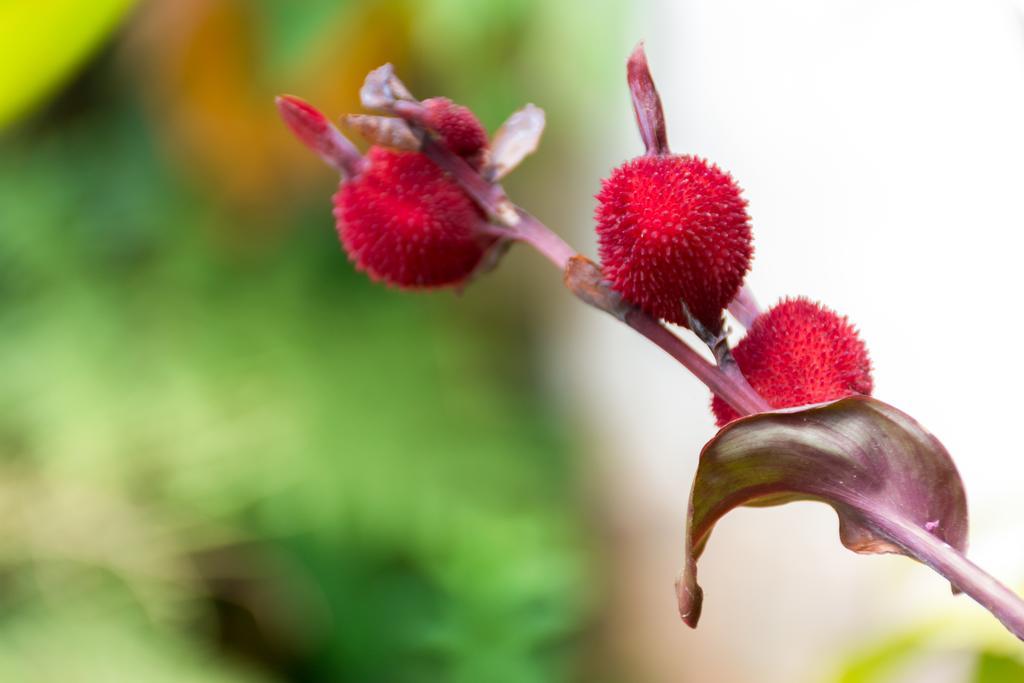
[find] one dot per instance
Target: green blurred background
(224, 456)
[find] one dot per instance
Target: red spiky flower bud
(404, 222)
(458, 127)
(401, 219)
(800, 352)
(674, 229)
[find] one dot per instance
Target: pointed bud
(316, 132)
(650, 117)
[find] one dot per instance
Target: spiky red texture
(800, 352)
(674, 228)
(458, 126)
(405, 222)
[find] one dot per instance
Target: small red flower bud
(458, 126)
(674, 229)
(310, 126)
(405, 222)
(797, 353)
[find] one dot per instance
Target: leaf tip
(638, 57)
(650, 117)
(691, 599)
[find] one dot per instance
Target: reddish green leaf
(893, 485)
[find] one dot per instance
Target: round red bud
(674, 229)
(797, 353)
(405, 222)
(458, 127)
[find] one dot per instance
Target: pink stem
(549, 244)
(490, 197)
(731, 388)
(738, 394)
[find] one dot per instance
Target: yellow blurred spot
(43, 41)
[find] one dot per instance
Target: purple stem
(743, 399)
(1003, 603)
(490, 197)
(548, 243)
(732, 389)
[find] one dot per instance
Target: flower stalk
(516, 224)
(893, 485)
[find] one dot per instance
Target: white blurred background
(881, 147)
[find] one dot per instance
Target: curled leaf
(517, 138)
(893, 485)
